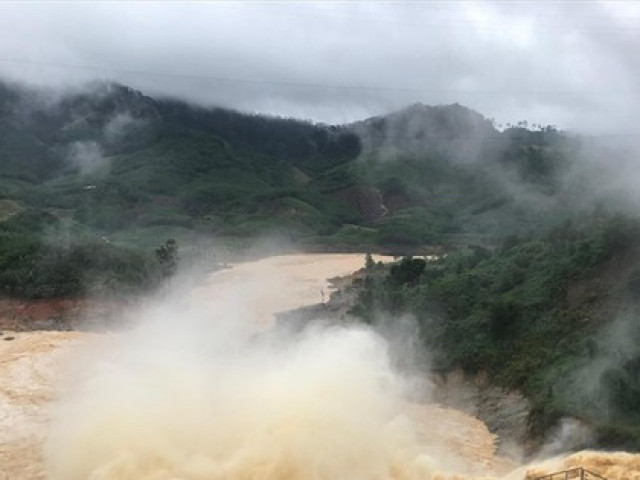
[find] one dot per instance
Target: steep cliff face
(504, 412)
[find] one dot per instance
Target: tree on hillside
(407, 272)
(167, 256)
(369, 262)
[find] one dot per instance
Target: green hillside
(553, 315)
(131, 171)
(115, 168)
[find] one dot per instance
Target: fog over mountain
(570, 64)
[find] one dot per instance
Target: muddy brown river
(189, 396)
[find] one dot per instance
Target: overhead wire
(327, 86)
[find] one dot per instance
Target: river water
(195, 391)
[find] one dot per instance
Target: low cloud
(572, 65)
(87, 157)
(119, 125)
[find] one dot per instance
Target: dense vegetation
(114, 160)
(91, 182)
(41, 257)
(536, 315)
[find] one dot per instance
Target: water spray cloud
(192, 397)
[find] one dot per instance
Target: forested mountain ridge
(109, 164)
(155, 156)
(113, 169)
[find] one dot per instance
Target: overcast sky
(571, 64)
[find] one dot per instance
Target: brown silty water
(178, 400)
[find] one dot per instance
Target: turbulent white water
(325, 407)
(193, 396)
